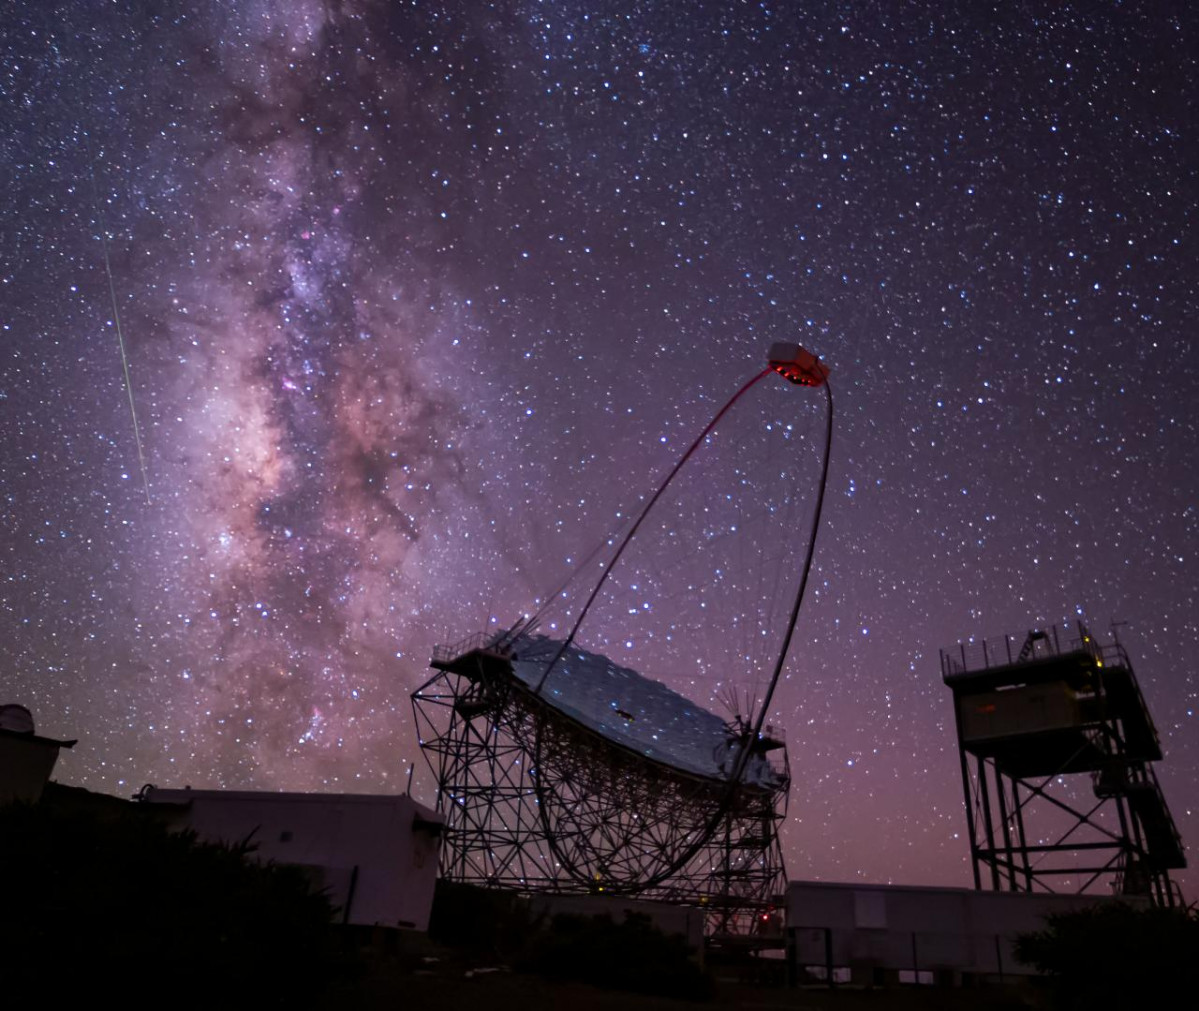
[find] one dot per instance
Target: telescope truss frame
(497, 748)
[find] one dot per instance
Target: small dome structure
(16, 718)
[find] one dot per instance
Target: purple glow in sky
(417, 298)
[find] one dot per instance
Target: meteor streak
(116, 316)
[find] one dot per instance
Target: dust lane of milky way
(417, 297)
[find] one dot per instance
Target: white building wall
(896, 927)
(376, 855)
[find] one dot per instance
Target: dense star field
(417, 298)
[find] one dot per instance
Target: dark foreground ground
(528, 993)
(416, 981)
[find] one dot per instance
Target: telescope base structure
(536, 801)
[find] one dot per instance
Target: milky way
(421, 299)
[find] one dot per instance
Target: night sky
(420, 300)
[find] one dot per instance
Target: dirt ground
(526, 993)
(444, 984)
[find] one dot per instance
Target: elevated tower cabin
(1057, 749)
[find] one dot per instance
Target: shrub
(633, 955)
(112, 897)
(487, 922)
(1115, 955)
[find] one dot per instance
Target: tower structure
(1057, 749)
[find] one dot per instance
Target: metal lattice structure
(538, 796)
(1057, 747)
(511, 769)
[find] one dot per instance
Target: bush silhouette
(633, 955)
(1114, 955)
(487, 922)
(106, 894)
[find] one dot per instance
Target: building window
(870, 910)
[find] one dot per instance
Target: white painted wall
(392, 841)
(904, 927)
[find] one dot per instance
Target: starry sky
(421, 299)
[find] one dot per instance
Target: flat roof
(853, 886)
(36, 739)
(185, 795)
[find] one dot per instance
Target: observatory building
(1057, 751)
(375, 855)
(874, 935)
(26, 759)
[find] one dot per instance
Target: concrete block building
(879, 934)
(376, 855)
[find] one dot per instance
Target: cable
(734, 779)
(645, 512)
(807, 568)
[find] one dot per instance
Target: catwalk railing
(1001, 651)
(447, 652)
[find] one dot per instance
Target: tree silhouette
(98, 893)
(1115, 955)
